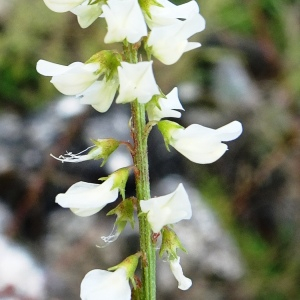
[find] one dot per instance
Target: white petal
(87, 14)
(168, 12)
(136, 82)
(191, 46)
(209, 156)
(204, 145)
(48, 68)
(62, 5)
(124, 21)
(100, 94)
(87, 198)
(76, 79)
(101, 284)
(184, 283)
(168, 209)
(230, 131)
(168, 43)
(167, 106)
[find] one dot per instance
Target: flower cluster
(163, 30)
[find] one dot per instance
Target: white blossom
(87, 13)
(168, 209)
(124, 20)
(136, 82)
(62, 5)
(166, 12)
(100, 94)
(72, 79)
(168, 43)
(184, 283)
(201, 144)
(82, 80)
(105, 285)
(85, 199)
(166, 107)
(102, 149)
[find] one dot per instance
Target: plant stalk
(140, 157)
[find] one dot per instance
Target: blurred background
(244, 237)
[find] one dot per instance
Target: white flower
(136, 82)
(167, 106)
(184, 283)
(200, 144)
(105, 285)
(100, 94)
(124, 20)
(166, 12)
(81, 80)
(168, 43)
(76, 158)
(85, 199)
(168, 209)
(87, 13)
(72, 79)
(62, 5)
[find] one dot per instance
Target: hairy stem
(140, 157)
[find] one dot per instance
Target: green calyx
(129, 264)
(154, 102)
(120, 179)
(109, 60)
(146, 5)
(104, 148)
(125, 213)
(170, 243)
(92, 2)
(167, 128)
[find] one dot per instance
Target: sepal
(125, 213)
(129, 264)
(120, 179)
(109, 61)
(107, 146)
(170, 243)
(167, 128)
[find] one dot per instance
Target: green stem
(143, 192)
(140, 157)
